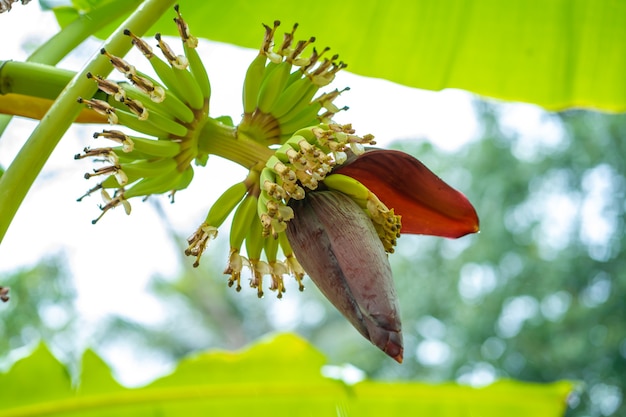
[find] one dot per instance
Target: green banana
(184, 181)
(170, 106)
(302, 119)
(252, 83)
(274, 214)
(274, 161)
(271, 249)
(145, 169)
(245, 214)
(196, 66)
(295, 75)
(129, 157)
(225, 204)
(159, 121)
(290, 99)
(349, 186)
(158, 184)
(273, 84)
(198, 70)
(166, 75)
(156, 148)
(189, 88)
(129, 120)
(287, 153)
(270, 186)
(255, 241)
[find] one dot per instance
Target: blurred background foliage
(538, 295)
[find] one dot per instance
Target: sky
(113, 261)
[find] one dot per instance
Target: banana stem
(33, 79)
(21, 174)
(219, 139)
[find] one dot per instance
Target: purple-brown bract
(339, 248)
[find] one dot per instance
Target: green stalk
(32, 79)
(219, 139)
(58, 46)
(21, 174)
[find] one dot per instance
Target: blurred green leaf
(557, 54)
(66, 12)
(278, 376)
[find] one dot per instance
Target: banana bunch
(282, 105)
(280, 87)
(247, 231)
(165, 113)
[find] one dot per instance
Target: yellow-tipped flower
(280, 87)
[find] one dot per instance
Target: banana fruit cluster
(280, 87)
(306, 160)
(166, 114)
(172, 128)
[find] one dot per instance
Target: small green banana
(252, 83)
(171, 105)
(225, 204)
(145, 169)
(271, 249)
(129, 120)
(154, 185)
(245, 214)
(184, 180)
(283, 153)
(290, 99)
(198, 70)
(155, 148)
(189, 88)
(255, 241)
(166, 75)
(169, 126)
(272, 86)
(302, 119)
(349, 186)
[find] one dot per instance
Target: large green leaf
(555, 53)
(278, 376)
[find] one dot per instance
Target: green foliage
(40, 307)
(538, 294)
(278, 376)
(516, 50)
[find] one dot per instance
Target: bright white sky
(113, 260)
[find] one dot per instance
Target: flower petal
(337, 245)
(426, 203)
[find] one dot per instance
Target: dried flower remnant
(4, 294)
(6, 5)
